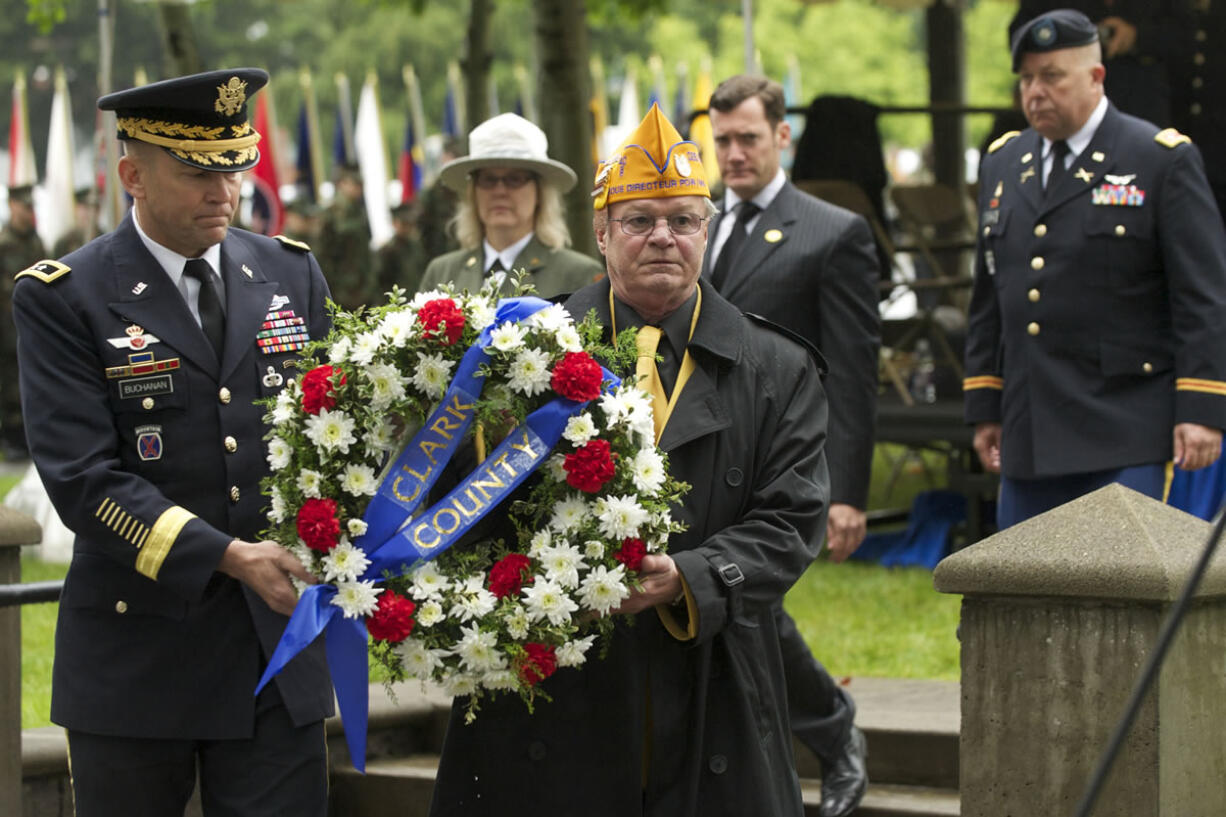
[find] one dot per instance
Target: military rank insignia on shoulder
(45, 271)
(1000, 141)
(292, 244)
(1171, 138)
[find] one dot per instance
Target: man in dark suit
(141, 355)
(1098, 317)
(812, 268)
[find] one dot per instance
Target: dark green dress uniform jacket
(551, 272)
(1098, 318)
(748, 433)
(152, 452)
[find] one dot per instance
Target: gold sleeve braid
(154, 543)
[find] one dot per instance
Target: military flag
(342, 135)
(700, 128)
(267, 211)
(21, 150)
(55, 207)
(372, 162)
(310, 163)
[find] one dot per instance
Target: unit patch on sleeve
(149, 442)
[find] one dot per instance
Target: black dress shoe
(845, 778)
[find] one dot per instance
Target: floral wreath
(504, 612)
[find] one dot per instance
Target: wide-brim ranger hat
(1052, 31)
(654, 162)
(199, 119)
(507, 140)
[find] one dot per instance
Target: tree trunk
(178, 39)
(563, 93)
(476, 64)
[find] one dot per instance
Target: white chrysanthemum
(432, 374)
(344, 563)
(331, 430)
(379, 440)
(459, 684)
(579, 429)
(365, 347)
(508, 336)
(642, 423)
(545, 599)
(593, 549)
(359, 480)
(551, 318)
(339, 352)
(276, 506)
(387, 385)
(517, 623)
(603, 589)
(620, 516)
(529, 372)
(574, 653)
(356, 599)
(569, 513)
(478, 651)
(481, 313)
(397, 327)
(418, 659)
(285, 408)
(568, 339)
(309, 482)
(302, 553)
(555, 467)
(647, 471)
(539, 542)
(423, 298)
(503, 680)
(428, 583)
(356, 527)
(561, 564)
(429, 614)
(472, 600)
(616, 406)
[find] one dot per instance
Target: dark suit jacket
(156, 472)
(812, 268)
(1098, 316)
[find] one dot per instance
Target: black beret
(199, 119)
(1061, 28)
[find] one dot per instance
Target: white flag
(372, 163)
(55, 207)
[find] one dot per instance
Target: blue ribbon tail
(311, 616)
(349, 664)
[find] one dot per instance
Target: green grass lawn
(859, 619)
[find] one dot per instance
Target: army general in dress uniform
(1094, 348)
(141, 356)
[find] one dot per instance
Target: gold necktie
(647, 340)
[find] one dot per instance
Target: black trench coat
(662, 726)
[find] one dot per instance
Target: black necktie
(745, 211)
(496, 266)
(212, 321)
(1059, 150)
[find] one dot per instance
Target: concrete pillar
(1058, 618)
(16, 529)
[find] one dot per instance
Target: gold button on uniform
(234, 493)
(1033, 328)
(987, 230)
(224, 396)
(1033, 295)
(1120, 229)
(1194, 109)
(147, 403)
(231, 444)
(1147, 367)
(1040, 230)
(1036, 263)
(121, 606)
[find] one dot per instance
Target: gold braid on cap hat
(197, 142)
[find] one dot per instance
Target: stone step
(401, 787)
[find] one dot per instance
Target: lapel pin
(1000, 188)
(1027, 174)
(139, 288)
(1098, 156)
(247, 271)
(1027, 157)
(1085, 175)
(773, 236)
(472, 259)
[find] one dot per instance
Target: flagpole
(751, 62)
(110, 137)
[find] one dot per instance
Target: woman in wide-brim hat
(511, 214)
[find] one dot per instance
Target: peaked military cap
(199, 119)
(1052, 31)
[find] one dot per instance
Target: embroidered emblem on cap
(231, 96)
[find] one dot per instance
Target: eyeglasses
(678, 223)
(511, 181)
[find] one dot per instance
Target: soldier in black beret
(142, 354)
(1099, 308)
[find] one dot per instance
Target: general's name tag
(146, 386)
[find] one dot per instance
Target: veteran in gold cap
(687, 714)
(141, 356)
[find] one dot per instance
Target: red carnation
(442, 313)
(577, 377)
(631, 553)
(319, 388)
(538, 663)
(590, 467)
(508, 575)
(318, 525)
(392, 620)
